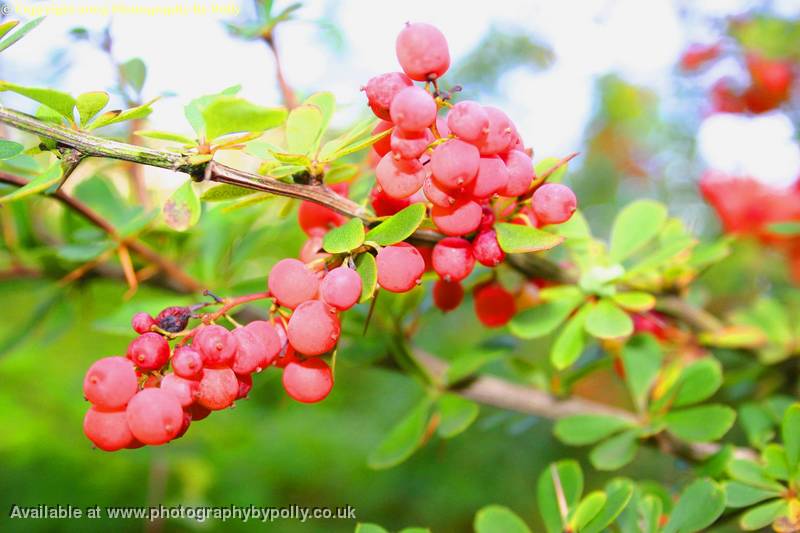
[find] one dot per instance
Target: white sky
(192, 55)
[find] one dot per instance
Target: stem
(289, 98)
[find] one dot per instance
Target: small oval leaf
(518, 239)
(345, 238)
(182, 210)
(399, 226)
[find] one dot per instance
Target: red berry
(174, 319)
(216, 345)
(154, 416)
(149, 351)
(487, 218)
(400, 268)
(142, 322)
(413, 109)
(447, 295)
(341, 288)
(313, 328)
(468, 121)
(453, 259)
(218, 388)
(384, 205)
(487, 250)
(250, 352)
(185, 390)
(427, 255)
(454, 164)
(267, 335)
(287, 353)
(312, 248)
(110, 382)
(399, 178)
(382, 146)
(459, 219)
(492, 177)
(108, 430)
(422, 52)
(308, 381)
(291, 283)
(245, 385)
(494, 305)
(411, 145)
(382, 89)
(435, 195)
(520, 174)
(313, 216)
(187, 362)
(198, 412)
(553, 203)
(501, 133)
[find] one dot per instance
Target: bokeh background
(602, 77)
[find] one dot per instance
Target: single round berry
(267, 336)
(313, 216)
(384, 205)
(382, 89)
(411, 145)
(413, 109)
(291, 283)
(435, 195)
(501, 133)
(399, 178)
(459, 219)
(142, 322)
(454, 164)
(110, 383)
(185, 390)
(468, 121)
(250, 352)
(313, 328)
(312, 248)
(245, 385)
(400, 268)
(174, 319)
(492, 177)
(487, 250)
(383, 145)
(198, 412)
(149, 351)
(308, 381)
(553, 203)
(494, 306)
(187, 362)
(154, 416)
(422, 52)
(453, 259)
(218, 388)
(520, 174)
(341, 288)
(108, 430)
(216, 345)
(447, 295)
(427, 255)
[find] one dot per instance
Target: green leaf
(182, 210)
(637, 224)
(456, 414)
(637, 302)
(587, 509)
(471, 361)
(607, 321)
(738, 336)
(402, 440)
(399, 226)
(58, 101)
(221, 193)
(368, 270)
(341, 172)
(354, 146)
(578, 430)
(618, 492)
(9, 149)
(790, 433)
(698, 381)
(165, 136)
(544, 318)
(763, 515)
(116, 116)
(20, 33)
(90, 104)
(326, 103)
(134, 72)
(303, 129)
(776, 465)
(345, 238)
(518, 239)
(231, 114)
(369, 528)
(740, 495)
(752, 473)
(567, 473)
(641, 357)
(701, 424)
(330, 149)
(569, 344)
(7, 26)
(700, 504)
(41, 183)
(546, 164)
(784, 228)
(757, 423)
(616, 451)
(499, 519)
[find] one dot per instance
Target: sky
(191, 54)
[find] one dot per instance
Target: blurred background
(658, 97)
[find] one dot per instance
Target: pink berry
(454, 164)
(553, 203)
(142, 322)
(435, 195)
(411, 145)
(108, 430)
(447, 295)
(487, 250)
(198, 412)
(110, 382)
(308, 381)
(422, 52)
(314, 328)
(267, 336)
(185, 390)
(453, 259)
(494, 305)
(341, 288)
(382, 89)
(187, 362)
(468, 121)
(291, 283)
(492, 177)
(384, 205)
(154, 416)
(413, 109)
(459, 219)
(520, 174)
(400, 268)
(216, 345)
(487, 218)
(399, 178)
(286, 353)
(218, 388)
(250, 353)
(312, 248)
(384, 145)
(245, 385)
(149, 351)
(501, 132)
